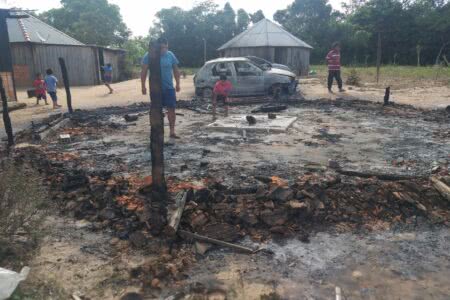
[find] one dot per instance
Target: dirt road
(125, 93)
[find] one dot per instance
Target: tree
(243, 20)
(89, 21)
(226, 22)
(257, 16)
(311, 21)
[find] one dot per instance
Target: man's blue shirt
(168, 60)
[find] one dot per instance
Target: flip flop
(174, 136)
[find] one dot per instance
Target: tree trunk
(159, 188)
(6, 119)
(378, 56)
(440, 52)
(62, 64)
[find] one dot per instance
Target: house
(272, 42)
(36, 46)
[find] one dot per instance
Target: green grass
(394, 75)
(190, 71)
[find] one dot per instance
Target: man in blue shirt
(169, 67)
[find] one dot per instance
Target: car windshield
(245, 68)
(262, 63)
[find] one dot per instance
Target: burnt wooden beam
(392, 177)
(6, 118)
(201, 238)
(159, 187)
(441, 187)
(66, 81)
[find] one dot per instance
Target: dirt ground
(406, 260)
(426, 95)
(371, 246)
(128, 92)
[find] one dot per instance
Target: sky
(139, 14)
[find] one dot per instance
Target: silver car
(248, 79)
(265, 64)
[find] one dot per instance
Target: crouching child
(222, 89)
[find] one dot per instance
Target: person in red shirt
(39, 89)
(222, 88)
(334, 66)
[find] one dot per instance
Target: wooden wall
(296, 58)
(81, 61)
(8, 85)
(23, 65)
(115, 59)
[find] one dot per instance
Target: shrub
(353, 78)
(22, 200)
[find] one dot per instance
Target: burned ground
(254, 187)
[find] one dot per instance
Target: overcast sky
(139, 14)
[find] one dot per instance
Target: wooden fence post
(62, 64)
(159, 187)
(6, 119)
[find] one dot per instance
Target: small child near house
(51, 83)
(221, 91)
(39, 89)
(108, 77)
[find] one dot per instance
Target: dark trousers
(331, 76)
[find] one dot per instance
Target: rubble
(251, 120)
(131, 117)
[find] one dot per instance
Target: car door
(225, 68)
(249, 79)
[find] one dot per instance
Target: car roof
(227, 59)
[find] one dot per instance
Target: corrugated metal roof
(33, 30)
(265, 33)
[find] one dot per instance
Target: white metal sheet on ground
(263, 123)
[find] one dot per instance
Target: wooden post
(159, 188)
(378, 56)
(62, 64)
(387, 95)
(6, 119)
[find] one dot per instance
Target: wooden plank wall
(80, 61)
(23, 60)
(114, 58)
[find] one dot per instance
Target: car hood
(282, 67)
(281, 72)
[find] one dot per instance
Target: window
(221, 68)
(245, 69)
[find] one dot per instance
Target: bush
(353, 78)
(22, 201)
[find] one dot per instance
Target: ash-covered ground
(288, 193)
